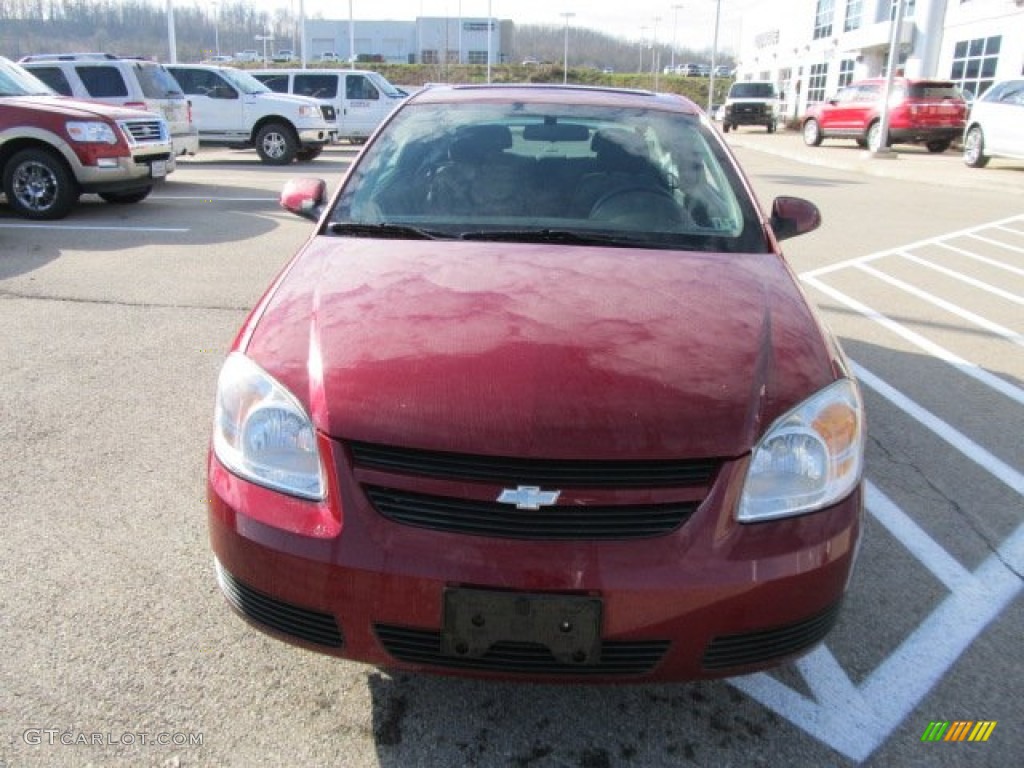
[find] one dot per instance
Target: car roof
(580, 95)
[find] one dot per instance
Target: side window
(358, 88)
(846, 95)
(276, 83)
(1013, 94)
(103, 82)
(317, 86)
(53, 77)
(869, 92)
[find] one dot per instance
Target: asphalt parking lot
(115, 325)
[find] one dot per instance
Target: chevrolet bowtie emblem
(528, 497)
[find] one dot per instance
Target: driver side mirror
(792, 216)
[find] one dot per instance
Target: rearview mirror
(792, 216)
(304, 197)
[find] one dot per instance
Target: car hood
(525, 350)
(75, 108)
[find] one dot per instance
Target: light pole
(714, 55)
(883, 150)
(675, 25)
(565, 56)
(490, 34)
(643, 42)
(171, 41)
(654, 52)
(351, 39)
(216, 28)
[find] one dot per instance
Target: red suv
(929, 112)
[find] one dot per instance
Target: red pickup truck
(54, 149)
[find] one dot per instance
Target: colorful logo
(959, 730)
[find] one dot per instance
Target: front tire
(126, 198)
(771, 127)
(277, 144)
(875, 137)
(812, 133)
(974, 148)
(39, 185)
(725, 127)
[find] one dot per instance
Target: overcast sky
(621, 18)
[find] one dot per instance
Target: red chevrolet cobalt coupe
(539, 399)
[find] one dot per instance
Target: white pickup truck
(231, 108)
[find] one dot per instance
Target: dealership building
(425, 40)
(810, 48)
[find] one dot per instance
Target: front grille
(328, 112)
(423, 646)
(556, 523)
(302, 623)
(548, 472)
(144, 131)
(764, 645)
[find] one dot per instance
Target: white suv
(995, 126)
(123, 82)
(234, 109)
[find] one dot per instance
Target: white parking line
(839, 265)
(971, 317)
(966, 367)
(982, 259)
(856, 720)
(966, 279)
(999, 243)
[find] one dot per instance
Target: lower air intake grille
(423, 646)
(304, 624)
(489, 518)
(764, 645)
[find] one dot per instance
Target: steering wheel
(645, 207)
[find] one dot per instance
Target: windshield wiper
(385, 231)
(563, 236)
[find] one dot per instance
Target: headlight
(91, 132)
(262, 433)
(307, 111)
(810, 458)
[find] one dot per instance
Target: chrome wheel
(39, 186)
(812, 133)
(974, 148)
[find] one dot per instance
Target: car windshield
(17, 81)
(387, 88)
(156, 82)
(752, 91)
(549, 173)
(243, 81)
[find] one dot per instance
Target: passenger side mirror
(792, 216)
(304, 197)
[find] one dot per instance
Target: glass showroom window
(823, 19)
(845, 72)
(974, 63)
(816, 82)
(854, 11)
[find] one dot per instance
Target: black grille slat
(302, 623)
(483, 518)
(764, 645)
(555, 472)
(423, 646)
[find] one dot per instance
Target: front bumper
(709, 599)
(316, 136)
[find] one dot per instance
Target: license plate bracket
(158, 169)
(567, 625)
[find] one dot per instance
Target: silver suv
(123, 82)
